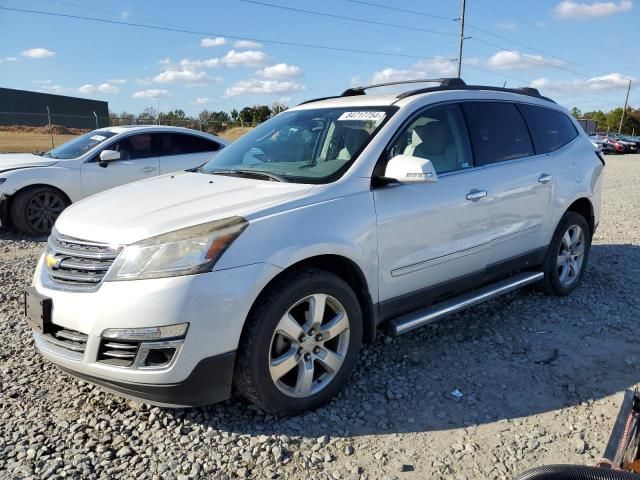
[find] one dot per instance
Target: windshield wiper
(250, 173)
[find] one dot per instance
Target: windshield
(79, 145)
(306, 146)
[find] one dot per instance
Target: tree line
(610, 121)
(210, 121)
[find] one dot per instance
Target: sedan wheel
(571, 255)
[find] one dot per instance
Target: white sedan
(34, 189)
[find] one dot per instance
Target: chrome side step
(413, 320)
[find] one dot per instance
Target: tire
(34, 210)
(567, 255)
(305, 380)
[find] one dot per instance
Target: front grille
(121, 353)
(78, 263)
(67, 339)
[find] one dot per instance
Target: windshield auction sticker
(98, 138)
(362, 116)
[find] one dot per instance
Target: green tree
(576, 112)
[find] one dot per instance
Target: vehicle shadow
(9, 234)
(516, 356)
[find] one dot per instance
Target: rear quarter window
(549, 128)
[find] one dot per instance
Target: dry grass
(234, 133)
(28, 142)
(37, 141)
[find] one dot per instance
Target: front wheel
(567, 255)
(300, 344)
(34, 210)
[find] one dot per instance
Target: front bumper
(215, 305)
(208, 383)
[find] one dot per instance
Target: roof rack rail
(355, 91)
(443, 82)
(529, 91)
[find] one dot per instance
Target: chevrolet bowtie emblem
(52, 262)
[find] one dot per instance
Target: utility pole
(626, 101)
(464, 4)
(49, 121)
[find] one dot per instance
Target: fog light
(159, 357)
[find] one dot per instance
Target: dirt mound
(55, 129)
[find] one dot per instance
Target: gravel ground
(541, 380)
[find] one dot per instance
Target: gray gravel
(541, 381)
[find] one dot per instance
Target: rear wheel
(567, 255)
(35, 210)
(300, 344)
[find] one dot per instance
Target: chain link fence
(39, 132)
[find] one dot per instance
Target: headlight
(183, 252)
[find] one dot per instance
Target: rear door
(520, 178)
(137, 162)
(181, 151)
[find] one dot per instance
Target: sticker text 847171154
(362, 116)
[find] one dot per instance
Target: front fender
(63, 178)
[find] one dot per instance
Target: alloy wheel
(309, 345)
(42, 211)
(571, 255)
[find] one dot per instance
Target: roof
(162, 128)
(356, 96)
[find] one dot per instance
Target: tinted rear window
(180, 144)
(497, 131)
(550, 129)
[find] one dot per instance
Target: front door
(137, 162)
(430, 234)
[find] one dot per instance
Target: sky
(579, 52)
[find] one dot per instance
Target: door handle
(544, 178)
(148, 169)
(475, 195)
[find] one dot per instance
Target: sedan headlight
(183, 252)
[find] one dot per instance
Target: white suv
(34, 189)
(267, 268)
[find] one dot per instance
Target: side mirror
(408, 169)
(107, 156)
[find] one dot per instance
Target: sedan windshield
(306, 146)
(79, 145)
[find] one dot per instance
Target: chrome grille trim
(67, 339)
(81, 264)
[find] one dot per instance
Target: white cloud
(247, 44)
(38, 53)
(609, 82)
(42, 82)
(185, 76)
(262, 86)
(164, 61)
(8, 59)
(280, 70)
(213, 42)
(512, 60)
(507, 26)
(207, 63)
(247, 58)
(117, 80)
(125, 14)
(102, 88)
(438, 67)
(202, 100)
(152, 93)
(574, 10)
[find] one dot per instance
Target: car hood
(141, 210)
(13, 161)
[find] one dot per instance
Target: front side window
(498, 132)
(550, 129)
(439, 135)
(80, 145)
(306, 146)
(134, 147)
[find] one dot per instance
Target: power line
(235, 37)
(352, 19)
(403, 10)
(501, 37)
